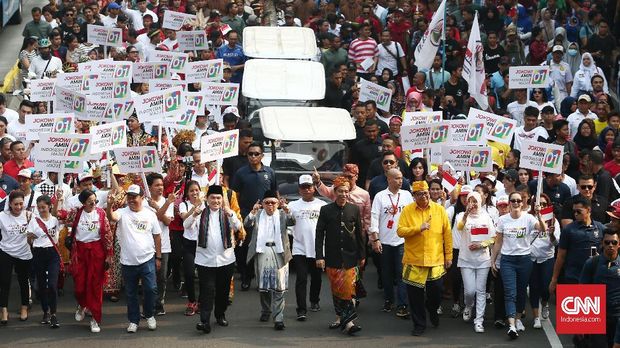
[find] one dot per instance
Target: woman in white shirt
(477, 233)
(512, 241)
(46, 258)
(582, 81)
(487, 202)
(191, 205)
(543, 247)
(14, 254)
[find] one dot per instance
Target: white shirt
(456, 235)
(203, 179)
(214, 255)
(18, 130)
(575, 119)
(165, 230)
(571, 183)
(382, 218)
(74, 202)
(516, 110)
(10, 115)
(88, 227)
(542, 248)
(480, 258)
(304, 232)
(516, 232)
(190, 231)
(108, 21)
(387, 60)
(136, 16)
(521, 134)
(38, 64)
(135, 232)
(42, 240)
(14, 241)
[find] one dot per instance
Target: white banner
(476, 158)
(177, 60)
(372, 91)
(427, 47)
(86, 67)
(156, 106)
(219, 146)
(109, 69)
(423, 136)
(47, 164)
(421, 117)
(58, 123)
(110, 89)
(144, 159)
(204, 70)
(221, 93)
(146, 71)
(467, 132)
(528, 77)
(195, 106)
(473, 67)
(100, 35)
(498, 128)
(76, 81)
(108, 136)
(106, 110)
(71, 147)
(69, 101)
(541, 156)
(192, 40)
(160, 85)
(175, 20)
(42, 90)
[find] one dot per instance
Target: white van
(273, 82)
(279, 42)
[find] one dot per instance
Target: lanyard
(394, 206)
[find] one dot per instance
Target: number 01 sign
(542, 156)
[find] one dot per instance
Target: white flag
(427, 47)
(473, 67)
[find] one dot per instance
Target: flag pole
(443, 40)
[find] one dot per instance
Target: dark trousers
(47, 267)
(176, 256)
(146, 274)
(22, 268)
(246, 269)
(214, 283)
(419, 303)
(189, 254)
(498, 299)
(391, 263)
(539, 282)
(304, 266)
(456, 279)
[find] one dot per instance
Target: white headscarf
(478, 206)
(590, 70)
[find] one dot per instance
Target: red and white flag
(546, 213)
(429, 43)
(473, 67)
(212, 177)
(448, 181)
(3, 195)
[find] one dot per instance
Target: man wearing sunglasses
(586, 186)
(605, 269)
(553, 187)
(380, 182)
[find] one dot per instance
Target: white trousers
(475, 286)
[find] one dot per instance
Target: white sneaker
(467, 314)
(440, 310)
(94, 326)
(152, 323)
(79, 314)
(519, 325)
(132, 328)
(479, 328)
(537, 323)
(545, 312)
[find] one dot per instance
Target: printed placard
(177, 60)
(146, 71)
(58, 123)
(106, 110)
(195, 107)
(195, 40)
(160, 85)
(498, 128)
(372, 91)
(221, 93)
(528, 77)
(76, 81)
(108, 69)
(542, 156)
(476, 158)
(108, 136)
(204, 70)
(467, 132)
(422, 117)
(86, 67)
(42, 90)
(69, 147)
(137, 159)
(415, 137)
(110, 89)
(156, 106)
(69, 101)
(46, 164)
(100, 35)
(219, 146)
(175, 20)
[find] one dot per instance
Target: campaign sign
(47, 164)
(108, 136)
(177, 60)
(195, 107)
(415, 136)
(146, 71)
(49, 123)
(156, 106)
(175, 20)
(221, 93)
(108, 69)
(219, 146)
(64, 146)
(100, 35)
(160, 85)
(467, 132)
(137, 159)
(106, 110)
(498, 128)
(528, 77)
(422, 117)
(76, 81)
(204, 70)
(110, 89)
(372, 91)
(42, 90)
(542, 156)
(69, 101)
(476, 158)
(195, 40)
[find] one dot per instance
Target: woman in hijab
(560, 34)
(586, 137)
(582, 79)
(573, 57)
(547, 25)
(568, 106)
(605, 139)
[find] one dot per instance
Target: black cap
(215, 190)
(270, 194)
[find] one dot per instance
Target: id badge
(390, 223)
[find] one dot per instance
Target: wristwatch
(158, 258)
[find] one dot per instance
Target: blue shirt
(232, 56)
(251, 185)
(600, 270)
(578, 239)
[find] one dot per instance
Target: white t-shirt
(165, 230)
(516, 110)
(14, 241)
(10, 115)
(571, 183)
(74, 202)
(480, 258)
(387, 60)
(304, 232)
(18, 130)
(381, 218)
(191, 232)
(214, 255)
(575, 119)
(135, 232)
(456, 236)
(38, 64)
(542, 248)
(521, 134)
(88, 227)
(43, 241)
(516, 233)
(108, 21)
(203, 180)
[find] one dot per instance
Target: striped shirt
(360, 50)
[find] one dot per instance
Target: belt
(270, 244)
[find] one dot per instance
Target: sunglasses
(537, 92)
(388, 162)
(543, 204)
(586, 187)
(610, 242)
(270, 202)
(254, 154)
(519, 201)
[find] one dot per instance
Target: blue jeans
(131, 276)
(47, 266)
(392, 270)
(515, 270)
(539, 282)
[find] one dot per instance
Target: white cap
(232, 109)
(502, 200)
(489, 177)
(557, 48)
(305, 180)
(134, 190)
(84, 176)
(25, 173)
(466, 189)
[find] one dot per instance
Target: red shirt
(12, 169)
(612, 167)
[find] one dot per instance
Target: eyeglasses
(254, 154)
(133, 52)
(519, 201)
(586, 187)
(270, 202)
(610, 242)
(421, 194)
(537, 92)
(543, 204)
(388, 162)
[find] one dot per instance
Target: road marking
(552, 336)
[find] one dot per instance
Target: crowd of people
(482, 241)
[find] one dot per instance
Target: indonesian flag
(3, 195)
(212, 177)
(225, 28)
(473, 67)
(546, 213)
(477, 231)
(448, 181)
(427, 47)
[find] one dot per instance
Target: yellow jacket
(430, 247)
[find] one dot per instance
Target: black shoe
(114, 298)
(204, 327)
(61, 292)
(434, 318)
(301, 316)
(46, 319)
(54, 322)
(402, 312)
(387, 306)
(245, 286)
(512, 333)
(314, 307)
(221, 321)
(417, 332)
(500, 324)
(279, 326)
(265, 317)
